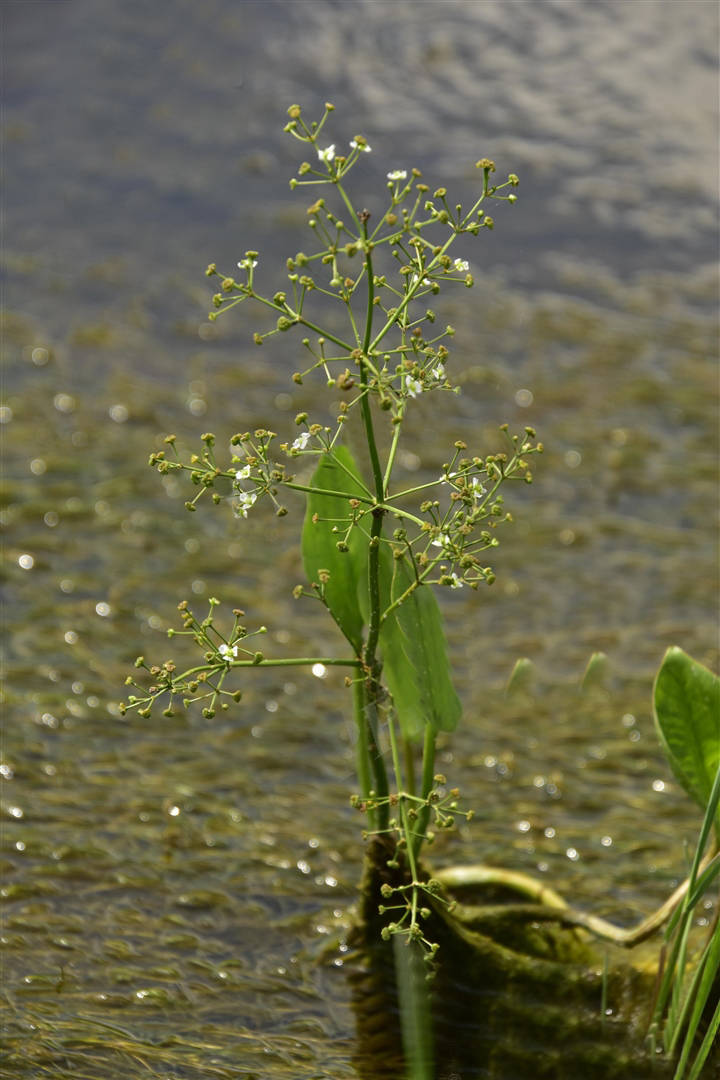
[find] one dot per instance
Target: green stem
(372, 688)
(296, 661)
(409, 757)
(369, 501)
(372, 670)
(371, 713)
(300, 320)
(428, 773)
(393, 452)
(365, 402)
(410, 838)
(363, 757)
(351, 208)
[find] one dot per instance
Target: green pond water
(176, 893)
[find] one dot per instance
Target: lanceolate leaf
(686, 704)
(347, 570)
(415, 663)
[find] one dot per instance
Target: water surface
(179, 879)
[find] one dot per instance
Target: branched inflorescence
(371, 546)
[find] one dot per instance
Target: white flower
(446, 479)
(246, 500)
(242, 474)
(456, 583)
(398, 174)
(301, 441)
(412, 386)
(327, 154)
(439, 372)
(415, 278)
(461, 265)
(478, 488)
(360, 146)
(247, 264)
(443, 541)
(228, 652)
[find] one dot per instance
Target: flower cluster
(413, 900)
(204, 682)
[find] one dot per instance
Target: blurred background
(161, 868)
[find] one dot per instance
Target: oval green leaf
(338, 473)
(414, 649)
(686, 705)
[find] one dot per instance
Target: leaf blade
(415, 662)
(686, 707)
(336, 471)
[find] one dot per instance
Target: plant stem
(428, 772)
(365, 402)
(293, 661)
(363, 748)
(391, 455)
(370, 661)
(409, 757)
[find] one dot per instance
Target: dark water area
(187, 882)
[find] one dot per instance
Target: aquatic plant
(687, 717)
(374, 551)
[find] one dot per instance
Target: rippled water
(179, 879)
